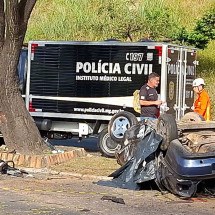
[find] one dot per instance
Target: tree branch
(2, 23)
(25, 9)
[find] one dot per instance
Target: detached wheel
(106, 145)
(119, 123)
(192, 117)
(167, 128)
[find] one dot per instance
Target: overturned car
(179, 157)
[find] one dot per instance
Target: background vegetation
(127, 20)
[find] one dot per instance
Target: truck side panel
(88, 79)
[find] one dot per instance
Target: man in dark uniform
(150, 105)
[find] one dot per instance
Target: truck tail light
(31, 109)
(159, 49)
(33, 47)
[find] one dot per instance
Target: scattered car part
(5, 168)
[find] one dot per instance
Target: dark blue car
(182, 171)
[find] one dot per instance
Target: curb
(42, 161)
(70, 174)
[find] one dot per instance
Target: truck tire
(106, 145)
(119, 123)
(167, 128)
(192, 117)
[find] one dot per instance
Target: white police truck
(78, 88)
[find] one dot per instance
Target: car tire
(106, 145)
(192, 117)
(119, 123)
(167, 128)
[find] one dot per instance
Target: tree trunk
(17, 126)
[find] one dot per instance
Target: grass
(102, 19)
(206, 70)
(89, 165)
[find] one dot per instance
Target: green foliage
(206, 25)
(203, 32)
(206, 70)
(101, 19)
(158, 19)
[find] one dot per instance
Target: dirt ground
(62, 195)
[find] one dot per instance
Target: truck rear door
(190, 63)
(181, 70)
(173, 79)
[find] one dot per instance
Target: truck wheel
(106, 145)
(192, 117)
(167, 128)
(119, 123)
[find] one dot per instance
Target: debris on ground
(57, 151)
(113, 199)
(5, 168)
(84, 210)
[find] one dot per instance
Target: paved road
(53, 195)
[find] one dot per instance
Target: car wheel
(119, 123)
(106, 145)
(192, 117)
(167, 128)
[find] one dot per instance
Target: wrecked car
(178, 157)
